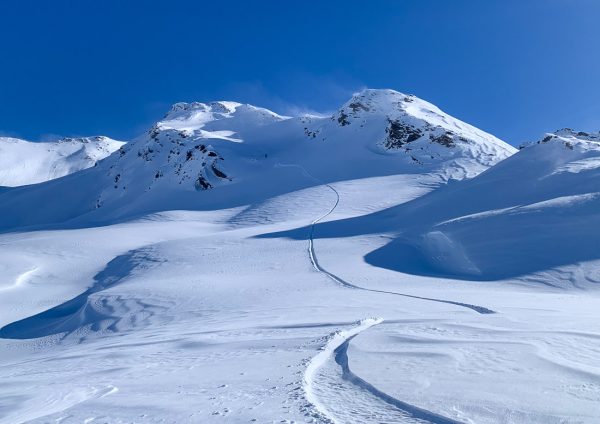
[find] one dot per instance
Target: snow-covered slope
(416, 133)
(224, 154)
(291, 273)
(23, 162)
(536, 211)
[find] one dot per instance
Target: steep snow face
(23, 162)
(413, 130)
(536, 211)
(562, 163)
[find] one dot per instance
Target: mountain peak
(196, 115)
(376, 100)
(568, 138)
(405, 125)
(97, 140)
(184, 109)
(239, 148)
(581, 135)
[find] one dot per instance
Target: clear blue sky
(515, 68)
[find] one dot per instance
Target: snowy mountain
(227, 154)
(388, 263)
(23, 162)
(199, 147)
(416, 132)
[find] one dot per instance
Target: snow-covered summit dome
(195, 116)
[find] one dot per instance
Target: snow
(24, 162)
(336, 340)
(252, 300)
(528, 217)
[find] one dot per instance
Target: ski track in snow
(338, 384)
(312, 370)
(341, 281)
(341, 396)
(410, 413)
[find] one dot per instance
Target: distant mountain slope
(23, 162)
(225, 154)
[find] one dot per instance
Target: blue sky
(514, 68)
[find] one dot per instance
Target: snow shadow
(503, 244)
(78, 312)
(410, 412)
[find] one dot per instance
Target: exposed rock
(446, 139)
(218, 172)
(399, 134)
(358, 106)
(202, 183)
(343, 119)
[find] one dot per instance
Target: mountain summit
(229, 153)
(415, 131)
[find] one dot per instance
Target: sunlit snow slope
(385, 264)
(534, 212)
(24, 162)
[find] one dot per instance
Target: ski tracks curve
(340, 396)
(317, 266)
(362, 402)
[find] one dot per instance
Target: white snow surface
(155, 299)
(24, 162)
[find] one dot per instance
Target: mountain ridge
(232, 153)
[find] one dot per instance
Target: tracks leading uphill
(329, 383)
(317, 266)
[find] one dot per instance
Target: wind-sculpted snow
(90, 310)
(536, 211)
(225, 323)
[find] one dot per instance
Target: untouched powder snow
(218, 269)
(24, 162)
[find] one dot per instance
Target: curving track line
(340, 396)
(341, 281)
(336, 352)
(410, 412)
